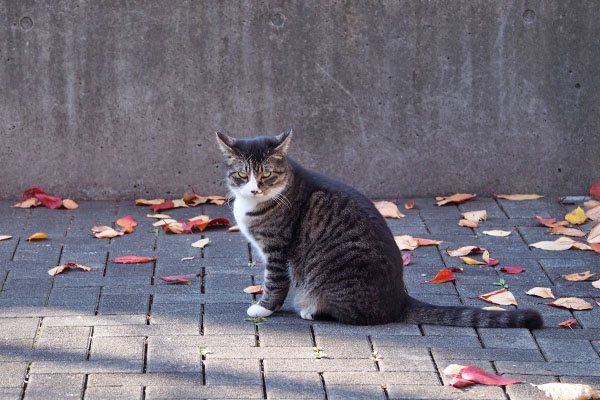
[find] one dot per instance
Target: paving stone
(381, 341)
(507, 338)
(316, 365)
(232, 372)
(285, 335)
(440, 330)
(444, 392)
(548, 368)
(412, 359)
(10, 393)
(18, 328)
(55, 386)
(212, 392)
(95, 320)
(146, 330)
(502, 354)
(525, 391)
(12, 374)
(366, 392)
(293, 385)
(568, 350)
(380, 377)
(86, 367)
(112, 347)
(144, 379)
(113, 393)
(64, 337)
(123, 304)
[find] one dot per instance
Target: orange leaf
(410, 205)
(595, 190)
(468, 224)
(568, 323)
(132, 259)
(455, 198)
(519, 196)
(595, 247)
(37, 236)
(254, 289)
(388, 209)
(594, 235)
(551, 222)
(577, 216)
(127, 222)
(167, 204)
(428, 242)
(502, 297)
(195, 199)
(472, 261)
(69, 204)
(580, 276)
(563, 230)
(444, 275)
(67, 266)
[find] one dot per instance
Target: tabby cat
(331, 243)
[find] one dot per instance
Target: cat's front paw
(256, 310)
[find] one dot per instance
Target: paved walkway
(120, 332)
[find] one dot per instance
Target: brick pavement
(121, 333)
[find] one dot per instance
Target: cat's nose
(255, 192)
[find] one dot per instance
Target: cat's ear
(284, 142)
(226, 143)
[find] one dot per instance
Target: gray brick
(113, 393)
(524, 391)
(123, 304)
(213, 392)
(568, 350)
(381, 341)
(444, 392)
(86, 367)
(409, 359)
(61, 385)
(64, 337)
(285, 335)
(293, 385)
(18, 328)
(232, 372)
(548, 368)
(447, 331)
(143, 379)
(12, 374)
(502, 354)
(146, 330)
(507, 338)
(359, 392)
(306, 365)
(10, 393)
(95, 320)
(123, 348)
(381, 378)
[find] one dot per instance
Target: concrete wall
(120, 99)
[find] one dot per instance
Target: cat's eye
(266, 174)
(242, 174)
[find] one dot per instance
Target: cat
(331, 243)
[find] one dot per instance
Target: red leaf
(460, 383)
(127, 222)
(49, 201)
(595, 190)
(31, 192)
(568, 323)
(512, 270)
(478, 375)
(163, 206)
(444, 275)
(178, 279)
(132, 259)
(406, 259)
(595, 246)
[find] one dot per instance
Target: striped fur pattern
(329, 242)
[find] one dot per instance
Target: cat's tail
(417, 312)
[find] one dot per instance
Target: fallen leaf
(234, 228)
(542, 292)
(63, 267)
(69, 204)
(486, 257)
(563, 230)
(498, 232)
(475, 216)
(568, 391)
(595, 300)
(595, 247)
(105, 232)
(593, 213)
(176, 227)
(594, 235)
(493, 308)
(591, 203)
(37, 236)
(254, 289)
(187, 258)
(165, 205)
(512, 270)
(596, 284)
(49, 201)
(444, 275)
(478, 375)
(577, 216)
(519, 196)
(595, 190)
(411, 205)
(201, 224)
(572, 303)
(455, 198)
(200, 218)
(178, 280)
(568, 323)
(132, 259)
(165, 221)
(406, 259)
(152, 202)
(127, 222)
(502, 297)
(582, 246)
(458, 382)
(5, 237)
(406, 242)
(468, 224)
(579, 276)
(201, 243)
(456, 269)
(453, 369)
(551, 222)
(195, 199)
(428, 242)
(464, 251)
(177, 203)
(472, 261)
(28, 203)
(560, 244)
(388, 209)
(158, 216)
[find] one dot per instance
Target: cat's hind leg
(306, 305)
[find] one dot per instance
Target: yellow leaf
(568, 391)
(572, 303)
(560, 244)
(579, 276)
(69, 204)
(37, 236)
(201, 243)
(563, 230)
(542, 292)
(472, 261)
(455, 198)
(577, 216)
(388, 209)
(502, 297)
(468, 224)
(406, 242)
(497, 232)
(519, 196)
(475, 216)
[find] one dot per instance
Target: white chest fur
(241, 206)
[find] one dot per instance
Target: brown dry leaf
(406, 242)
(195, 199)
(472, 261)
(560, 244)
(579, 276)
(468, 224)
(498, 233)
(475, 216)
(464, 251)
(428, 242)
(581, 246)
(254, 289)
(28, 203)
(502, 297)
(158, 216)
(572, 303)
(175, 227)
(105, 232)
(164, 222)
(596, 284)
(519, 196)
(568, 391)
(63, 267)
(152, 202)
(5, 237)
(493, 308)
(388, 209)
(204, 218)
(234, 228)
(577, 216)
(179, 203)
(594, 235)
(37, 236)
(543, 292)
(550, 222)
(593, 213)
(201, 243)
(563, 230)
(591, 203)
(455, 198)
(69, 204)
